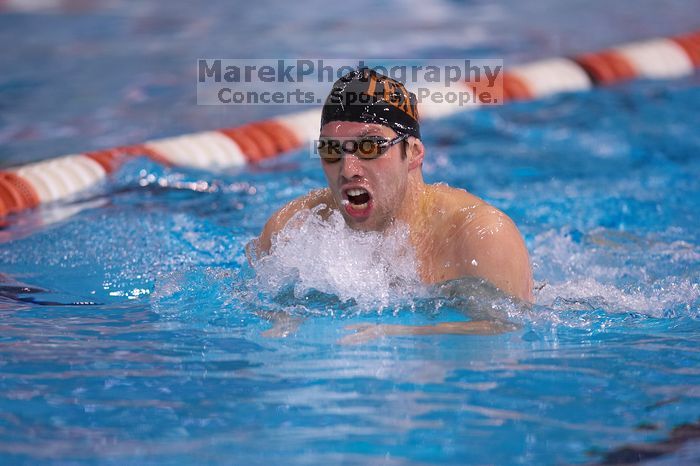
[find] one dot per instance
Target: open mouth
(357, 201)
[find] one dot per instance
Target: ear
(416, 152)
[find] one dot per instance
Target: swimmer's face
(368, 193)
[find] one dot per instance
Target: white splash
(374, 269)
(619, 272)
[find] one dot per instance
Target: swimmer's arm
(275, 223)
(283, 324)
(367, 332)
(492, 248)
(485, 317)
(280, 219)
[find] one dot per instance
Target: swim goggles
(332, 150)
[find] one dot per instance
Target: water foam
(313, 254)
(616, 272)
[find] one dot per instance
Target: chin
(368, 224)
(355, 225)
(359, 225)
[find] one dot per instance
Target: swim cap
(365, 96)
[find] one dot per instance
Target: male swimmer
(376, 180)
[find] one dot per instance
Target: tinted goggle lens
(367, 148)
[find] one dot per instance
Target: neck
(415, 204)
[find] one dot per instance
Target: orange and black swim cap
(366, 96)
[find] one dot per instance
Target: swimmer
(372, 156)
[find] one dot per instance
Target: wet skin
(455, 234)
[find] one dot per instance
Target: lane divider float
(28, 186)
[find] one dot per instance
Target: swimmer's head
(365, 96)
(370, 189)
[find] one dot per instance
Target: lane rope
(28, 186)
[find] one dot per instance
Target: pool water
(134, 329)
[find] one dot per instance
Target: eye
(371, 147)
(328, 150)
(376, 141)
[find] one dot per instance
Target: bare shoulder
(458, 206)
(488, 243)
(470, 212)
(279, 219)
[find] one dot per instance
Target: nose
(352, 167)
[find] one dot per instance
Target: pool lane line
(28, 186)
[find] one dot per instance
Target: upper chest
(439, 250)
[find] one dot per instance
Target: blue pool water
(143, 339)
